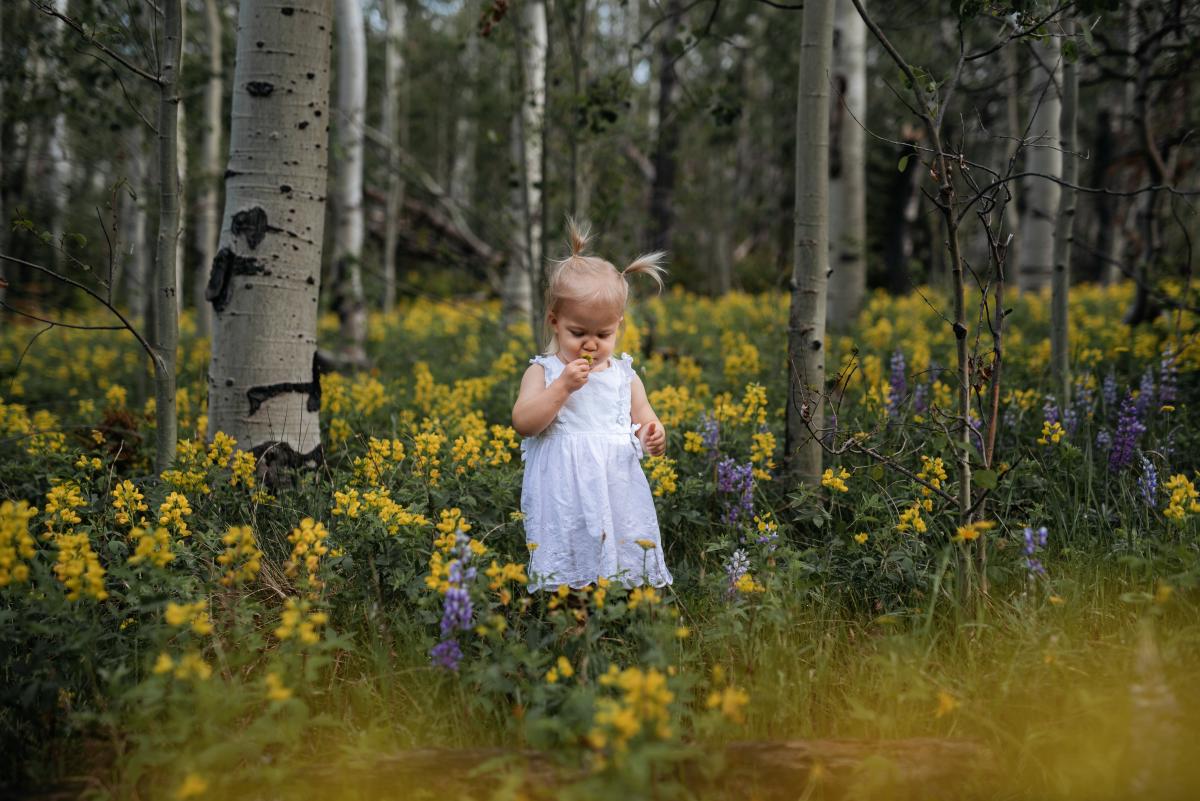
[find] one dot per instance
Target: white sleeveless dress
(585, 498)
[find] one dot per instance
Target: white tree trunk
(133, 229)
(58, 156)
(207, 232)
(1060, 364)
(1044, 157)
(393, 133)
(263, 383)
(181, 154)
(462, 173)
(166, 311)
(1012, 113)
(348, 298)
(806, 320)
(848, 178)
(526, 260)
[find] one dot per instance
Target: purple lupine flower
(710, 434)
(920, 398)
(1103, 441)
(733, 478)
(446, 654)
(1070, 420)
(1145, 396)
(1084, 404)
(1148, 483)
(899, 383)
(1168, 377)
(457, 611)
(1129, 429)
(1035, 542)
(1050, 410)
(1108, 390)
(735, 567)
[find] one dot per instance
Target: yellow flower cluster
(427, 447)
(172, 513)
(448, 527)
(308, 546)
(1023, 399)
(643, 595)
(643, 704)
(662, 475)
(193, 615)
(350, 503)
(731, 701)
(675, 406)
(190, 666)
(501, 445)
(220, 450)
(276, 691)
(562, 669)
(152, 546)
(762, 451)
(58, 514)
(499, 575)
(1052, 433)
(911, 520)
(381, 454)
(297, 621)
(972, 531)
(1183, 498)
(241, 558)
(241, 469)
(128, 501)
(78, 567)
(835, 481)
(693, 442)
(746, 584)
(933, 471)
(740, 357)
(190, 473)
(16, 544)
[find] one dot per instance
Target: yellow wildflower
(835, 481)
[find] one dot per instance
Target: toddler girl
(586, 420)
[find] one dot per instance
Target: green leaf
(986, 479)
(876, 472)
(902, 165)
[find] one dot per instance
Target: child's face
(581, 330)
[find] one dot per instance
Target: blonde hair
(591, 280)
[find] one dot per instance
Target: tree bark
(523, 280)
(166, 312)
(466, 128)
(263, 386)
(848, 169)
(349, 300)
(1044, 157)
(806, 320)
(662, 215)
(393, 63)
(1012, 113)
(207, 232)
(1064, 237)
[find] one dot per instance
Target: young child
(586, 420)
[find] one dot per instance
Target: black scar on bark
(287, 11)
(257, 396)
(278, 463)
(260, 88)
(226, 264)
(251, 224)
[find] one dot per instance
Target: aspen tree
(263, 385)
(806, 320)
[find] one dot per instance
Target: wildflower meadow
(365, 630)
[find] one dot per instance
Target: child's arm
(652, 433)
(537, 404)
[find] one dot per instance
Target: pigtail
(577, 236)
(649, 264)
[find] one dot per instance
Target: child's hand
(575, 374)
(654, 438)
